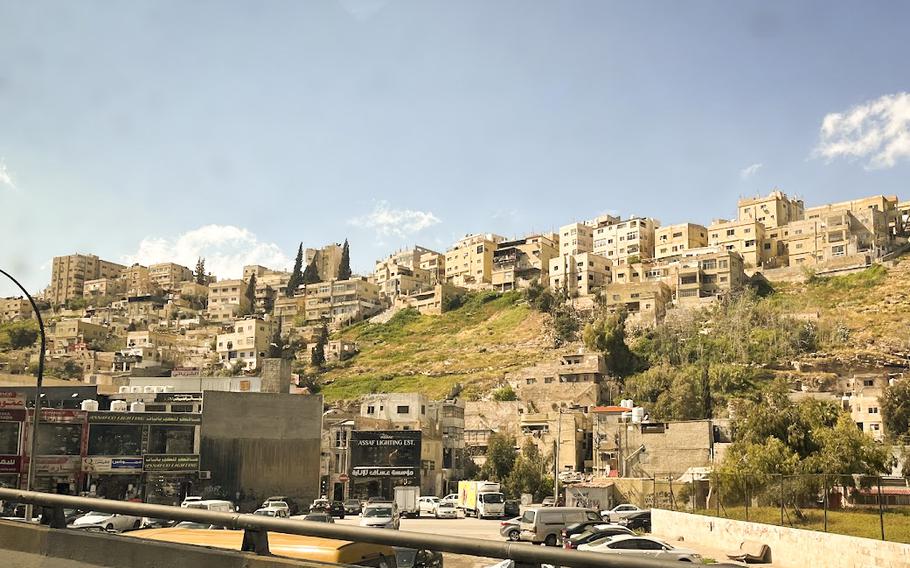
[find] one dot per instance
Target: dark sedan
(593, 534)
(336, 509)
(638, 521)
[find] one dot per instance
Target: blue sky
(137, 130)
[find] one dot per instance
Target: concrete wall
(24, 545)
(790, 547)
(262, 444)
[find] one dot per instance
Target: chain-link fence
(864, 506)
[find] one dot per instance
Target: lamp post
(33, 441)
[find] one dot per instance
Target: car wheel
(136, 525)
(108, 527)
(514, 534)
(550, 540)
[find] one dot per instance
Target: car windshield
(98, 514)
(265, 512)
(352, 502)
(528, 517)
(378, 512)
(491, 497)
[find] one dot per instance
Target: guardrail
(256, 528)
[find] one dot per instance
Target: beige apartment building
(69, 273)
(328, 259)
(576, 238)
(645, 302)
(137, 282)
(568, 426)
(620, 240)
(270, 284)
(342, 301)
(706, 275)
(772, 211)
(578, 378)
(169, 275)
(68, 333)
(744, 237)
(469, 263)
(401, 272)
(580, 275)
(435, 264)
(227, 299)
(12, 309)
(432, 301)
(248, 343)
(518, 263)
(104, 287)
(671, 241)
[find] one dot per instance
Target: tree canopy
(296, 278)
(344, 267)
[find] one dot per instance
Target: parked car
(70, 515)
(353, 506)
(511, 529)
(107, 521)
(152, 523)
(293, 506)
(277, 512)
(511, 508)
(620, 511)
(579, 528)
(545, 524)
(197, 526)
(548, 502)
(427, 505)
(642, 546)
(451, 498)
(640, 521)
(190, 499)
(336, 509)
(594, 534)
(216, 505)
(446, 511)
(380, 515)
(317, 517)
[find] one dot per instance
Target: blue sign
(126, 463)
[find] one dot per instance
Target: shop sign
(53, 464)
(392, 453)
(12, 415)
(178, 397)
(9, 464)
(60, 416)
(384, 472)
(97, 464)
(171, 462)
(10, 400)
(146, 418)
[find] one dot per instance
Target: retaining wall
(790, 547)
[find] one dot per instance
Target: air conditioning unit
(137, 406)
(90, 405)
(118, 406)
(148, 389)
(205, 474)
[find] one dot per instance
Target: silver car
(644, 546)
(511, 529)
(380, 516)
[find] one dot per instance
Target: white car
(644, 546)
(380, 516)
(445, 511)
(620, 512)
(107, 521)
(190, 499)
(451, 498)
(427, 505)
(277, 512)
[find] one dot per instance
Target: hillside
(473, 345)
(862, 323)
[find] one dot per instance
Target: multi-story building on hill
(772, 211)
(169, 275)
(619, 240)
(707, 274)
(342, 301)
(519, 262)
(247, 343)
(328, 260)
(673, 240)
(580, 275)
(576, 238)
(12, 309)
(744, 237)
(644, 302)
(401, 272)
(469, 263)
(69, 273)
(227, 299)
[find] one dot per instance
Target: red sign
(12, 400)
(60, 416)
(13, 415)
(53, 464)
(343, 477)
(9, 464)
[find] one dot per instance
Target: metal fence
(864, 506)
(256, 529)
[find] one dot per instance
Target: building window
(403, 409)
(873, 410)
(371, 409)
(731, 232)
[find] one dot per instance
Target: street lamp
(30, 478)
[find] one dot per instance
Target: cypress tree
(200, 271)
(311, 274)
(296, 276)
(250, 294)
(344, 267)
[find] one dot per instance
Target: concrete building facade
(672, 240)
(247, 344)
(169, 275)
(518, 263)
(69, 273)
(620, 240)
(580, 275)
(342, 301)
(469, 263)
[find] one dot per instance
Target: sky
(148, 131)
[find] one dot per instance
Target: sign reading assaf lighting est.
(153, 418)
(171, 462)
(391, 453)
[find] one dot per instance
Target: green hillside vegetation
(473, 345)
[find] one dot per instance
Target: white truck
(480, 498)
(406, 498)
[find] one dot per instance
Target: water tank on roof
(137, 406)
(118, 406)
(626, 403)
(89, 405)
(122, 390)
(638, 415)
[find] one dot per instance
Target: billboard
(391, 453)
(171, 462)
(105, 417)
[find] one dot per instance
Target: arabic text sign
(170, 462)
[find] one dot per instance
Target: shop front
(60, 446)
(383, 460)
(12, 424)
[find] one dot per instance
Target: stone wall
(796, 548)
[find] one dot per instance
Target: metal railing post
(825, 501)
(881, 510)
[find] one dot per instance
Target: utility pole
(556, 458)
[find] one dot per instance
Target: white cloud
(226, 250)
(6, 179)
(750, 171)
(397, 222)
(878, 131)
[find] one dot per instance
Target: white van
(545, 524)
(212, 505)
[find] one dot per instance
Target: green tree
(607, 334)
(199, 275)
(18, 334)
(500, 457)
(311, 273)
(317, 357)
(277, 344)
(529, 474)
(296, 278)
(895, 406)
(250, 295)
(344, 267)
(504, 393)
(268, 304)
